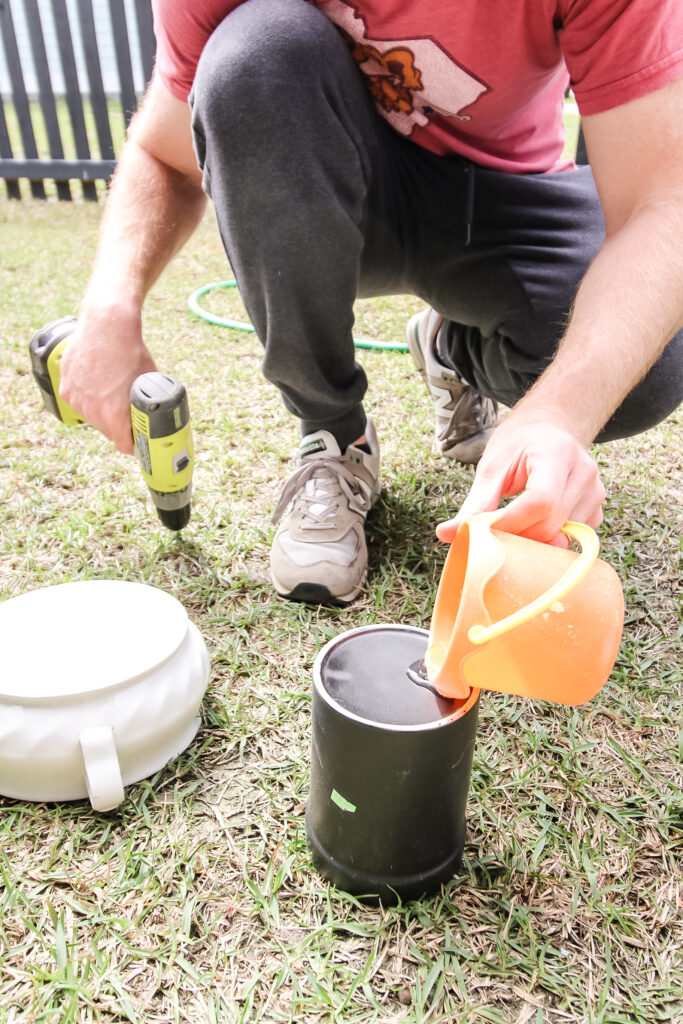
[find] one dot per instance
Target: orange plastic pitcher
(517, 616)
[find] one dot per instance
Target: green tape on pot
(339, 800)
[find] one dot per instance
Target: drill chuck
(160, 419)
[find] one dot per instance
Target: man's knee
(256, 57)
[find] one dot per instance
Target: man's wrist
(540, 414)
(99, 307)
(105, 294)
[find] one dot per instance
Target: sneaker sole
(316, 593)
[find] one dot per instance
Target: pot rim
(459, 712)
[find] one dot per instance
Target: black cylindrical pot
(390, 767)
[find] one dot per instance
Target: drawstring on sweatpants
(469, 200)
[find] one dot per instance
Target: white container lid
(85, 637)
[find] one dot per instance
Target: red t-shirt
(483, 78)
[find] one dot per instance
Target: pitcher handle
(590, 546)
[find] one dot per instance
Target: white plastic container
(100, 686)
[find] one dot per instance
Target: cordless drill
(160, 419)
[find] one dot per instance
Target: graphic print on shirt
(409, 79)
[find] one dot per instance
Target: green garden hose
(238, 325)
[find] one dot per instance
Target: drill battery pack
(46, 349)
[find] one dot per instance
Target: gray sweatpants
(319, 201)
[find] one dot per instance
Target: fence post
(19, 96)
(47, 97)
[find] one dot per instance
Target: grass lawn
(196, 900)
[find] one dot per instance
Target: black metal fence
(36, 118)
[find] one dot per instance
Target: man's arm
(155, 203)
(628, 306)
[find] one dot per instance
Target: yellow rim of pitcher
(588, 541)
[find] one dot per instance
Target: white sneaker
(464, 418)
(319, 552)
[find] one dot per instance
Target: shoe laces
(317, 486)
(471, 414)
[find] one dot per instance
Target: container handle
(590, 546)
(102, 771)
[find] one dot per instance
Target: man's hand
(553, 476)
(103, 358)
